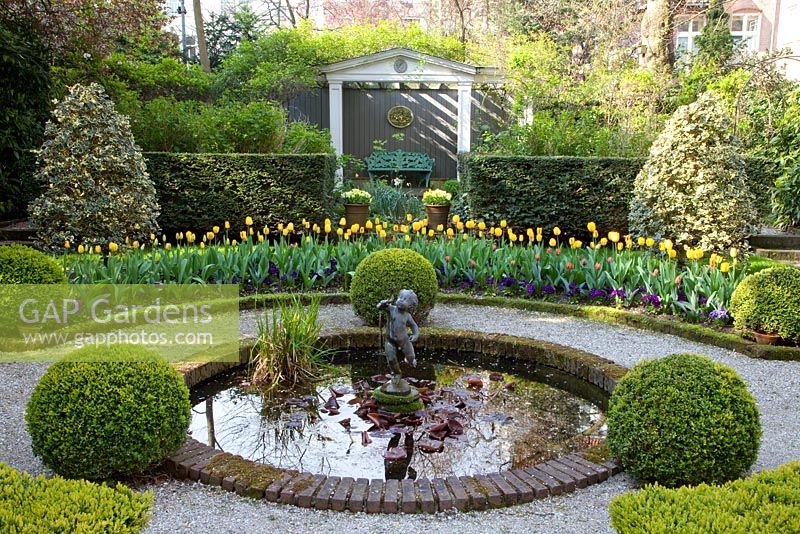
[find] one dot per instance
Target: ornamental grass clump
(693, 186)
(382, 275)
(769, 302)
(288, 352)
(98, 190)
(356, 196)
(683, 420)
(108, 412)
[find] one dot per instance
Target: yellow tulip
(202, 245)
(250, 230)
(592, 227)
(227, 225)
(440, 228)
(409, 217)
(66, 243)
(290, 227)
(734, 252)
(620, 246)
(135, 245)
(248, 221)
(481, 226)
(539, 238)
(456, 218)
(404, 228)
(498, 232)
(431, 233)
(577, 244)
(640, 241)
(233, 243)
(215, 229)
(342, 222)
(650, 241)
(603, 242)
(113, 247)
(613, 237)
(260, 237)
(152, 237)
(369, 224)
(97, 249)
(556, 231)
(382, 234)
(725, 267)
(552, 242)
(470, 224)
(354, 228)
(285, 232)
(450, 232)
(672, 253)
(339, 232)
(243, 235)
(209, 235)
(81, 250)
(168, 246)
(407, 238)
(327, 228)
(539, 230)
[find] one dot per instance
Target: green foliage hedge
(382, 275)
(569, 191)
(550, 191)
(24, 265)
(769, 302)
(115, 415)
(765, 503)
(198, 191)
(32, 505)
(683, 419)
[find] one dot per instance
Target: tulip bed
(468, 257)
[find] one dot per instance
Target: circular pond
(482, 414)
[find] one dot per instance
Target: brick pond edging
(197, 461)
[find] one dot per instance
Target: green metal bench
(399, 161)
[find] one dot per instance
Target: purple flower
(703, 299)
(507, 281)
(595, 293)
(652, 299)
(490, 281)
(721, 313)
(618, 293)
(549, 290)
(682, 296)
(530, 288)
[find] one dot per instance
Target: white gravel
(191, 507)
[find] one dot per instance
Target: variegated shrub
(693, 186)
(98, 190)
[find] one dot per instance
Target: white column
(336, 120)
(464, 116)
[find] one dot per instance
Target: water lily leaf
(395, 453)
(331, 403)
(345, 423)
(431, 445)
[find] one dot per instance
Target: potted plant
(356, 206)
(437, 207)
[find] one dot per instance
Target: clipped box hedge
(37, 504)
(198, 191)
(568, 192)
(766, 503)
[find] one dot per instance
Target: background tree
(25, 92)
(202, 48)
(657, 49)
(226, 31)
(715, 43)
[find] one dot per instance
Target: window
(744, 29)
(686, 35)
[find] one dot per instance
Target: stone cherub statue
(398, 338)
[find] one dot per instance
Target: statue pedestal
(397, 396)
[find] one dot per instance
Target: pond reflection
(481, 415)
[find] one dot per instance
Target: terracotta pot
(437, 215)
(356, 214)
(766, 339)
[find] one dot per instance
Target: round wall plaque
(400, 66)
(400, 116)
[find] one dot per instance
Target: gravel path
(191, 507)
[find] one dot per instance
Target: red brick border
(196, 461)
